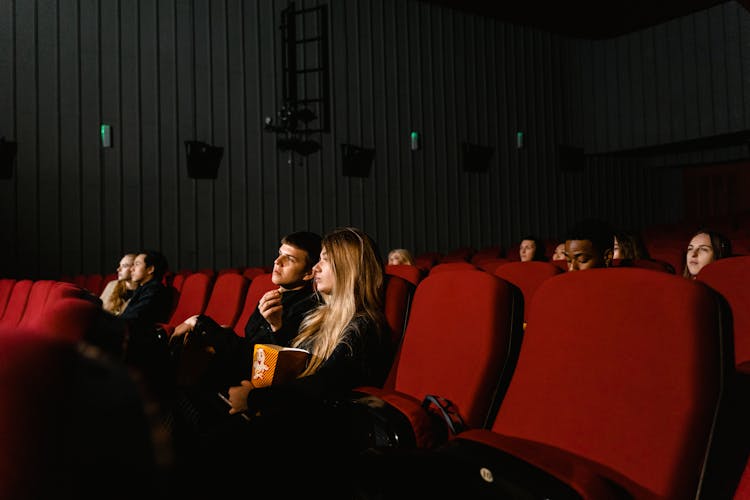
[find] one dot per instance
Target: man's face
(290, 269)
(140, 273)
(581, 255)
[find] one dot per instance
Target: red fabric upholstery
(16, 304)
(411, 274)
(453, 266)
(562, 264)
(489, 265)
(94, 283)
(231, 270)
(177, 281)
(192, 300)
(674, 256)
(227, 298)
(743, 489)
(486, 253)
(462, 254)
(6, 287)
(72, 425)
(731, 278)
(398, 295)
(527, 276)
(427, 260)
(457, 341)
(258, 286)
(619, 376)
(80, 280)
(253, 272)
(67, 318)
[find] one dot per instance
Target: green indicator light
(106, 134)
(414, 140)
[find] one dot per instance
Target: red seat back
(398, 295)
(731, 278)
(94, 283)
(252, 272)
(16, 304)
(453, 266)
(192, 299)
(527, 276)
(6, 288)
(410, 273)
(465, 320)
(260, 285)
(619, 374)
(227, 298)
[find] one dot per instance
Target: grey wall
(162, 72)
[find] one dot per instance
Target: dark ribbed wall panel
(681, 80)
(163, 72)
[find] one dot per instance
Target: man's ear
(150, 270)
(308, 275)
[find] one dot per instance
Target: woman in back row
(705, 246)
(118, 292)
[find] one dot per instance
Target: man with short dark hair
(276, 319)
(150, 303)
(588, 245)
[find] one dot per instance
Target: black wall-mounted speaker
(7, 155)
(203, 159)
(357, 161)
(570, 158)
(476, 158)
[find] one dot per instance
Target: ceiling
(584, 18)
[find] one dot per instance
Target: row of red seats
(60, 308)
(615, 387)
(231, 298)
(613, 354)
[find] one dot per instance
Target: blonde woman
(400, 256)
(350, 346)
(117, 293)
(346, 335)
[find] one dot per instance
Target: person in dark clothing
(276, 320)
(151, 302)
(350, 345)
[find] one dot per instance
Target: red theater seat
(227, 298)
(462, 254)
(731, 278)
(16, 304)
(398, 295)
(412, 274)
(453, 266)
(192, 300)
(6, 287)
(461, 335)
(258, 286)
(614, 395)
(527, 276)
(94, 283)
(72, 426)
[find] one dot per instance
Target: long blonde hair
(116, 301)
(357, 292)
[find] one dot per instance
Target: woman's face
(526, 250)
(396, 259)
(699, 253)
(559, 252)
(123, 270)
(323, 274)
(616, 252)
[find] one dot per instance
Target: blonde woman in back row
(118, 292)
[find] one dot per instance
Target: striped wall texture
(162, 72)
